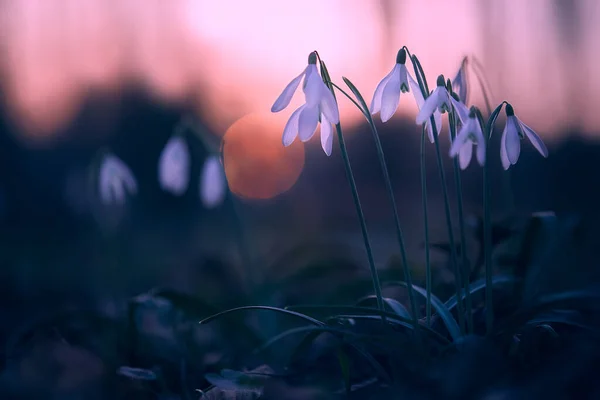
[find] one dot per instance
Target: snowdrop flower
(174, 166)
(437, 116)
(470, 134)
(460, 82)
(438, 100)
(116, 181)
(510, 143)
(460, 108)
(213, 183)
(387, 94)
(320, 105)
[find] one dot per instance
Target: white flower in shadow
(116, 181)
(213, 183)
(174, 166)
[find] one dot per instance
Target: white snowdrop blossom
(437, 116)
(213, 183)
(460, 108)
(439, 100)
(470, 134)
(460, 82)
(387, 93)
(510, 143)
(320, 105)
(174, 166)
(116, 181)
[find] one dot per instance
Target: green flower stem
(463, 239)
(453, 255)
(428, 280)
(423, 86)
(390, 191)
(361, 217)
(487, 242)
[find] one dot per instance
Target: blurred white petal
(213, 184)
(174, 166)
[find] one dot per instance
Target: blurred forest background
(78, 75)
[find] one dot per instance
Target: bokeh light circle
(257, 165)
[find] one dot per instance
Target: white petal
(461, 138)
(326, 135)
(465, 154)
(174, 166)
(313, 90)
(429, 132)
(291, 127)
(307, 122)
(376, 101)
(459, 83)
(513, 141)
(535, 140)
(429, 106)
(404, 85)
(503, 155)
(117, 193)
(329, 105)
(481, 153)
(286, 96)
(461, 110)
(115, 179)
(391, 95)
(213, 184)
(437, 117)
(416, 90)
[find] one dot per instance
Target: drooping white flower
(116, 181)
(439, 100)
(174, 166)
(469, 135)
(460, 82)
(213, 183)
(510, 143)
(460, 108)
(437, 116)
(387, 93)
(320, 105)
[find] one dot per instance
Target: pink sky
(235, 56)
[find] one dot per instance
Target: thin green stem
(487, 246)
(463, 238)
(428, 278)
(356, 198)
(342, 91)
(422, 80)
(453, 255)
(361, 217)
(390, 191)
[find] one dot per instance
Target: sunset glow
(233, 57)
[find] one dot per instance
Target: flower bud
(401, 56)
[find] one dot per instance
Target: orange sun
(256, 163)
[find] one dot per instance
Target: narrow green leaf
(440, 308)
(492, 120)
(365, 109)
(393, 304)
(266, 308)
(478, 286)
